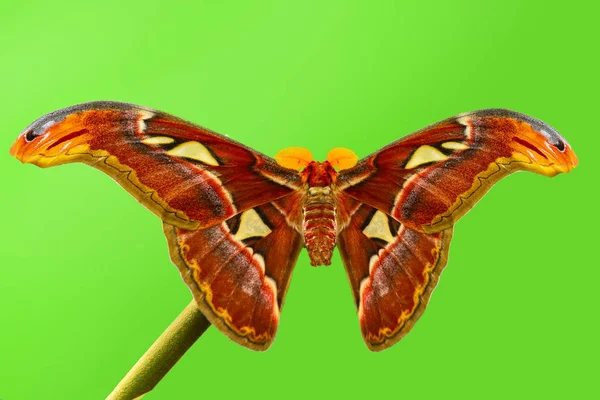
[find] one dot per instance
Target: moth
(236, 219)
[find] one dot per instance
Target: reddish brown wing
(392, 270)
(239, 270)
(399, 206)
(230, 214)
(431, 178)
(187, 175)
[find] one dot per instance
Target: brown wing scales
(239, 271)
(392, 281)
(431, 178)
(189, 176)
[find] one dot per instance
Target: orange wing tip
(342, 158)
(17, 148)
(294, 157)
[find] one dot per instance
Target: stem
(162, 355)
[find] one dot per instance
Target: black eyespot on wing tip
(30, 135)
(560, 145)
(551, 134)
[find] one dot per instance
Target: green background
(86, 284)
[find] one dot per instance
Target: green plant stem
(162, 355)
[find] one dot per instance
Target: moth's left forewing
(189, 176)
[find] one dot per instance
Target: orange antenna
(294, 157)
(342, 158)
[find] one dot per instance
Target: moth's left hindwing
(239, 271)
(230, 213)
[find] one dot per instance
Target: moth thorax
(319, 225)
